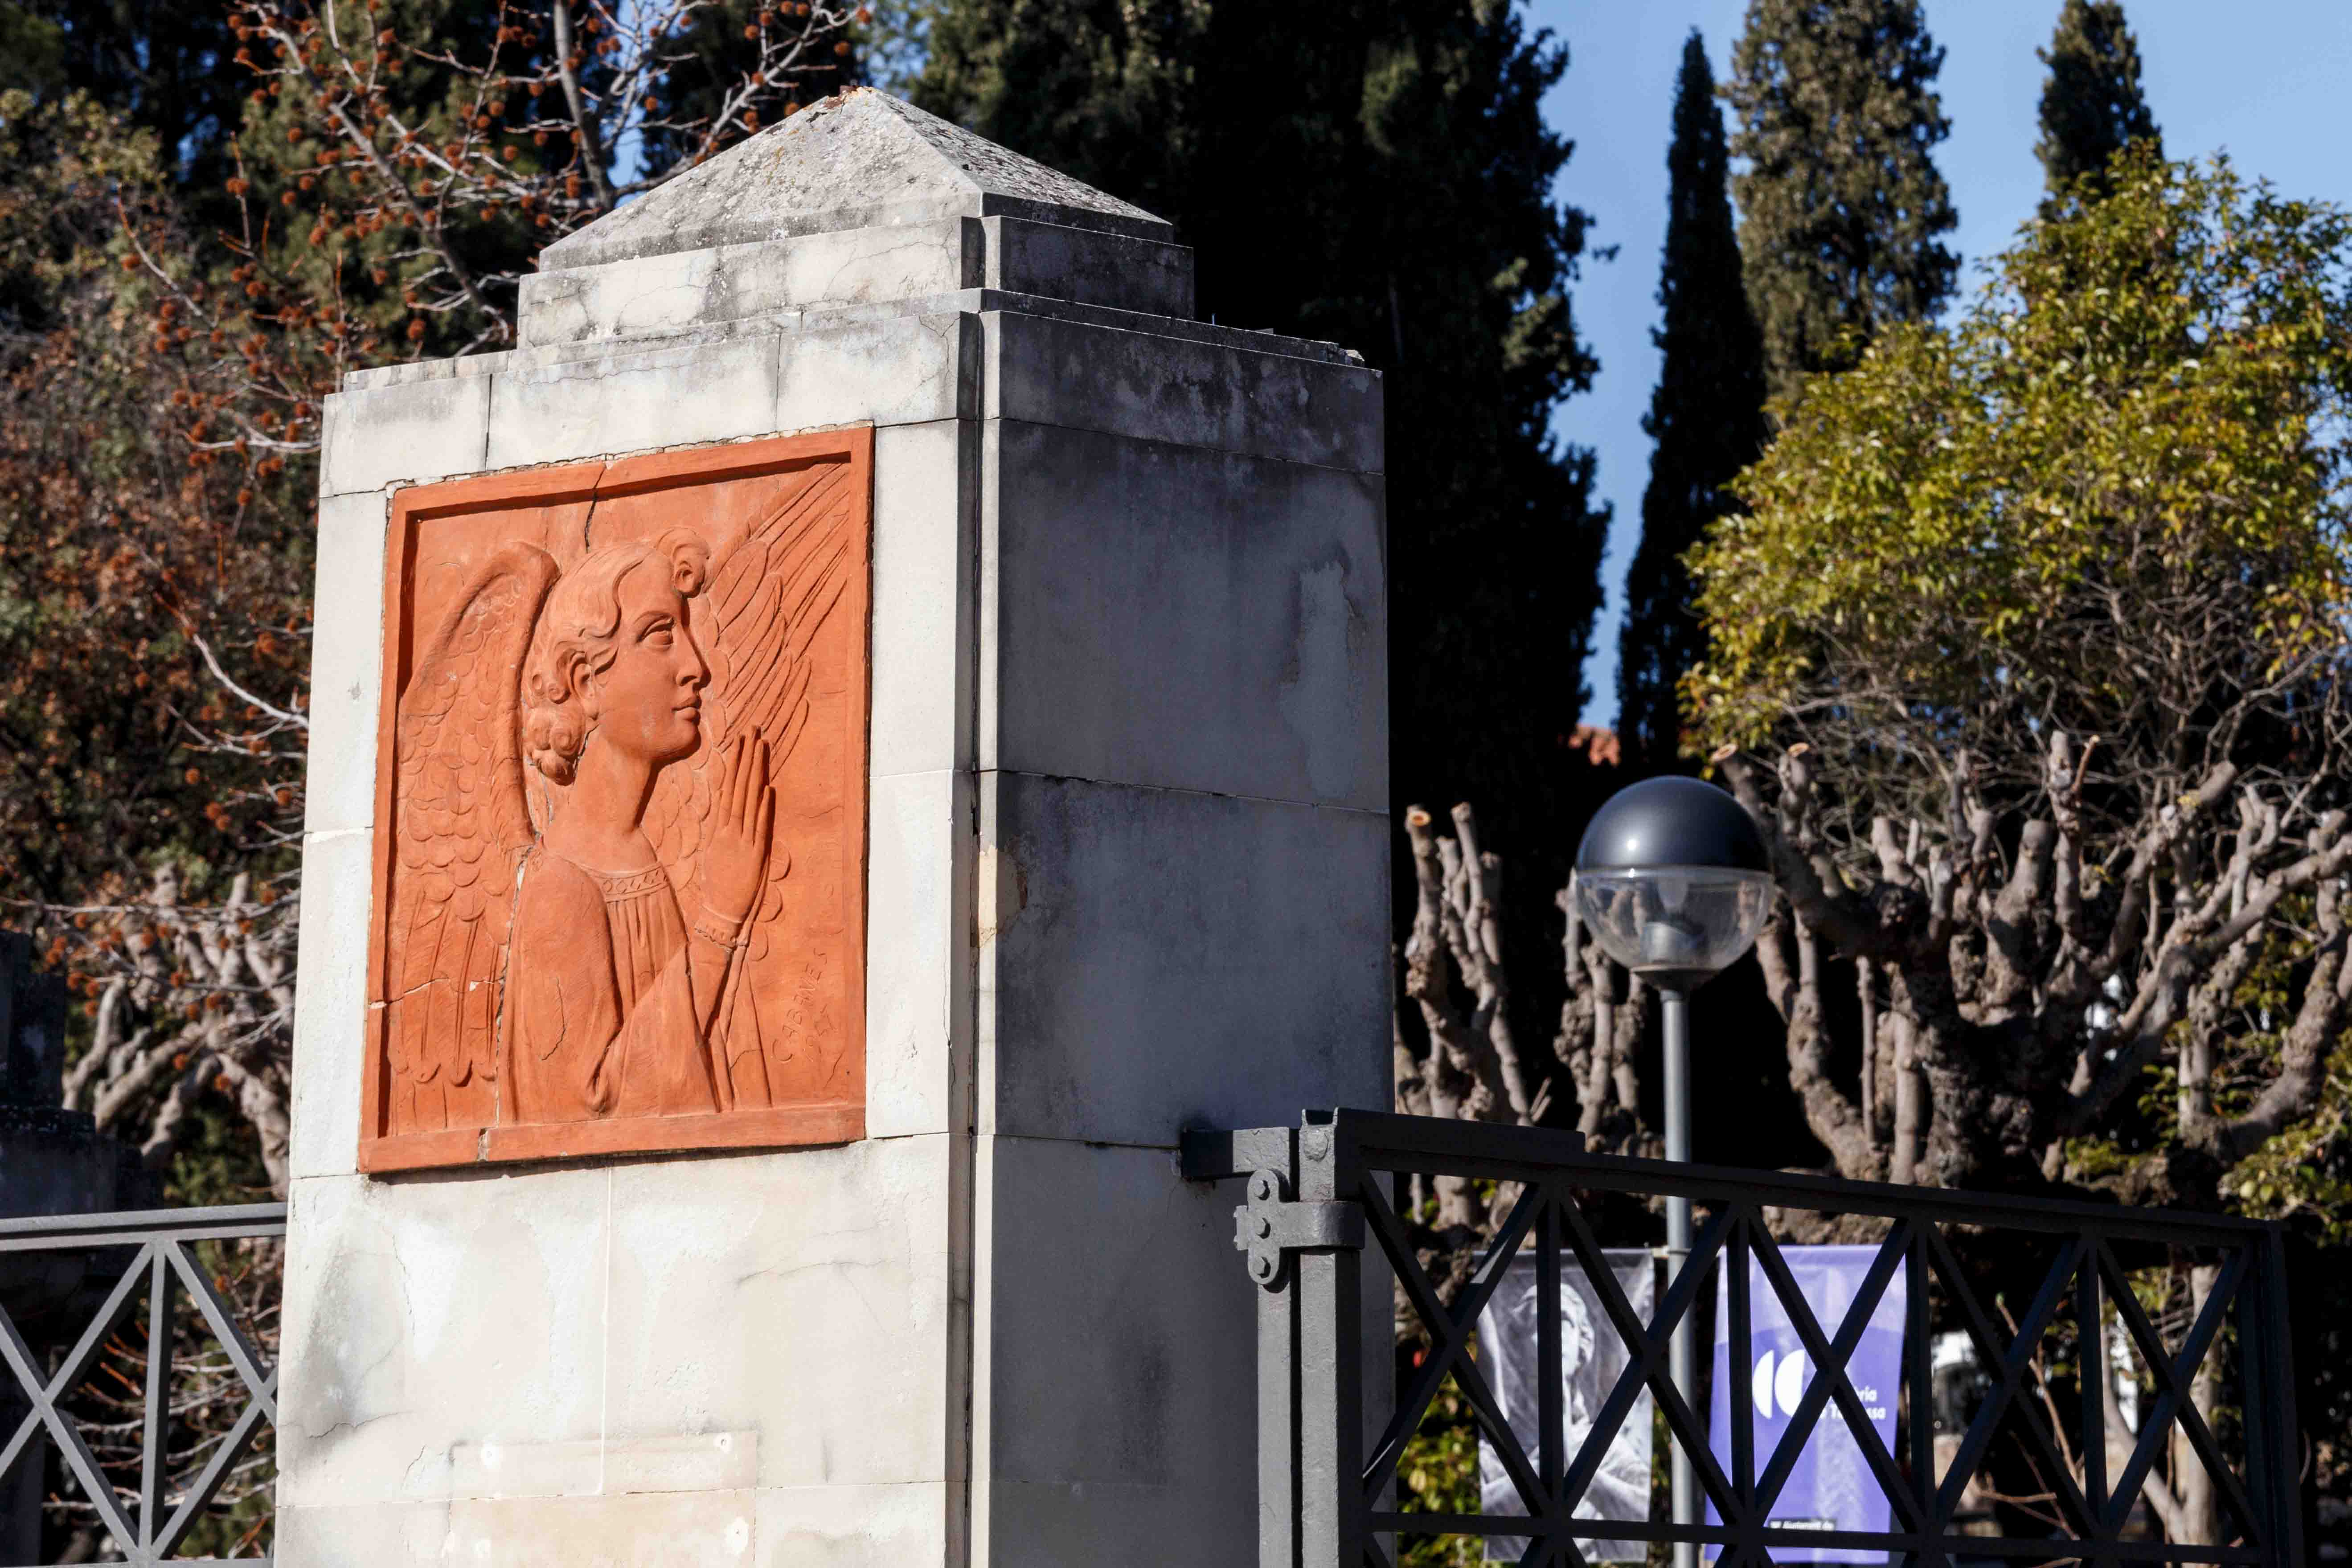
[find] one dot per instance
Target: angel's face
(649, 700)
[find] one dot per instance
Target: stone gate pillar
(695, 1164)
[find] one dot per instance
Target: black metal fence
(55, 1267)
(1331, 1433)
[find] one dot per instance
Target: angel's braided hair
(576, 639)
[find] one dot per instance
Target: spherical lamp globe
(1671, 880)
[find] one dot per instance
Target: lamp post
(1672, 883)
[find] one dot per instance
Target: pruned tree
(2032, 658)
(1468, 1062)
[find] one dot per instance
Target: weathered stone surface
(663, 397)
(408, 431)
(628, 1530)
(1190, 393)
(1186, 618)
(925, 537)
(361, 1535)
(857, 160)
(674, 290)
(1122, 272)
(346, 664)
(331, 1003)
(804, 1299)
(919, 1025)
(639, 1529)
(898, 369)
(787, 1527)
(861, 1526)
(560, 1333)
(776, 281)
(1127, 1441)
(424, 1314)
(1160, 958)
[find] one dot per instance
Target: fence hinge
(1269, 1224)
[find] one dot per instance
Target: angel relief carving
(621, 904)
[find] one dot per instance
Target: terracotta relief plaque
(619, 896)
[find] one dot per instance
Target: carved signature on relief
(587, 870)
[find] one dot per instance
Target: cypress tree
(2091, 103)
(1375, 172)
(164, 67)
(1706, 418)
(1840, 204)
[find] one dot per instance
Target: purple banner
(1832, 1486)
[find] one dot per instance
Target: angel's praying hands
(742, 824)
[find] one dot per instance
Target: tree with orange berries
(396, 170)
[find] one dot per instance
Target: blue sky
(2267, 81)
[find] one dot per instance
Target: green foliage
(1980, 528)
(2304, 1170)
(2091, 103)
(1841, 204)
(1706, 418)
(1439, 1474)
(1376, 173)
(160, 65)
(895, 43)
(32, 53)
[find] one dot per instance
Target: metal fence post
(1330, 1370)
(1278, 1425)
(2273, 1445)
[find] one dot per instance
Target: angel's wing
(764, 605)
(462, 825)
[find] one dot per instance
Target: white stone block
(873, 1526)
(919, 851)
(803, 1296)
(1191, 394)
(422, 1314)
(408, 372)
(900, 370)
(346, 663)
(650, 295)
(1115, 1414)
(924, 527)
(632, 403)
(363, 1535)
(404, 433)
(1188, 618)
(908, 1526)
(676, 1530)
(647, 1530)
(331, 1003)
(1159, 959)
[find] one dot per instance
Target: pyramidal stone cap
(861, 159)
